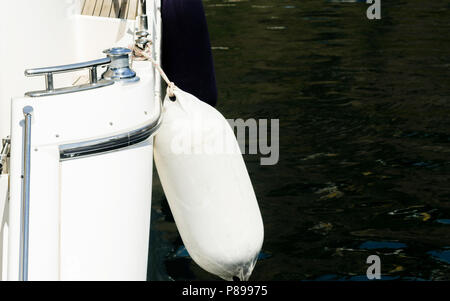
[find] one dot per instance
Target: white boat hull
(89, 215)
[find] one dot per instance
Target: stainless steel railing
(48, 72)
(25, 209)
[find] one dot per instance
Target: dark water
(364, 109)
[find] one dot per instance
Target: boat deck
(122, 9)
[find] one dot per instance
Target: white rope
(146, 54)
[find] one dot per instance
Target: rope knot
(171, 89)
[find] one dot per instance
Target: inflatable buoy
(208, 188)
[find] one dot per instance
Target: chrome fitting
(119, 68)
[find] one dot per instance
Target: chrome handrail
(67, 68)
(25, 210)
(48, 72)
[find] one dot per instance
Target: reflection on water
(364, 136)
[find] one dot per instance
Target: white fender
(208, 188)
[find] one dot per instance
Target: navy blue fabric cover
(186, 49)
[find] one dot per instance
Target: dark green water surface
(364, 110)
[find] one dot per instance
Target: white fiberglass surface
(62, 36)
(34, 34)
(71, 118)
(50, 33)
(105, 215)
